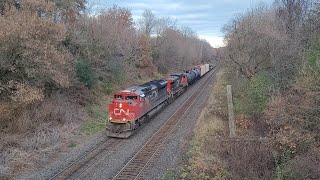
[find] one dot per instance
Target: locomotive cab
(133, 106)
(182, 78)
(123, 108)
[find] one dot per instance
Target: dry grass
(56, 110)
(202, 164)
(213, 155)
(305, 166)
(294, 119)
(32, 136)
(246, 158)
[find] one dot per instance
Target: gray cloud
(206, 17)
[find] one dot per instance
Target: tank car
(192, 76)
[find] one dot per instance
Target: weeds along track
(137, 165)
(88, 159)
(134, 168)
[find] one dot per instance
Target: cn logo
(118, 112)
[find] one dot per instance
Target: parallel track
(135, 168)
(88, 159)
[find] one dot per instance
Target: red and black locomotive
(132, 106)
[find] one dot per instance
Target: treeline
(50, 45)
(59, 65)
(276, 53)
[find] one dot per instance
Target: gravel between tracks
(53, 168)
(178, 141)
(108, 166)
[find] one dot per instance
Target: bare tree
(187, 32)
(292, 13)
(70, 10)
(249, 45)
(148, 22)
(177, 50)
(165, 23)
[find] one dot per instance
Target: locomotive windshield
(131, 97)
(117, 96)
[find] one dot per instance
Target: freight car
(132, 106)
(192, 76)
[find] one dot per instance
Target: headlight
(110, 118)
(120, 105)
(124, 119)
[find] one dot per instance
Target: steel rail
(80, 162)
(135, 166)
(110, 143)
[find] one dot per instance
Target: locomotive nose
(121, 112)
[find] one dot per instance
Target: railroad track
(137, 165)
(87, 160)
(134, 168)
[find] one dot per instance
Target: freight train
(133, 106)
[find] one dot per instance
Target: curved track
(136, 166)
(147, 154)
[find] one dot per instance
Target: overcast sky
(205, 17)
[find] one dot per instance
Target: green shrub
(108, 87)
(97, 120)
(311, 70)
(313, 53)
(281, 160)
(85, 73)
(170, 174)
(96, 123)
(118, 72)
(252, 96)
(93, 127)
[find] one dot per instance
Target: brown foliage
(31, 48)
(70, 10)
(250, 38)
(41, 42)
(294, 116)
(26, 94)
(31, 134)
(57, 110)
(176, 51)
(114, 29)
(260, 40)
(305, 166)
(283, 42)
(247, 158)
(107, 42)
(143, 56)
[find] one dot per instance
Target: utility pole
(232, 126)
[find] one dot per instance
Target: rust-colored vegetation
(272, 61)
(59, 65)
